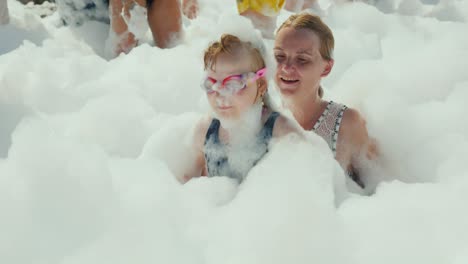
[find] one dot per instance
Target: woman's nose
(287, 67)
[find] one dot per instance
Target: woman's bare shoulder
(353, 129)
(284, 126)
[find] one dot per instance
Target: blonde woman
(304, 54)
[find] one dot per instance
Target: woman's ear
(328, 67)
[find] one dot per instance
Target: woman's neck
(307, 110)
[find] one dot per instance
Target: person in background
(262, 13)
(163, 18)
(299, 5)
(4, 16)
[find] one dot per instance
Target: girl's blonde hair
(233, 46)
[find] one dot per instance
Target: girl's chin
(227, 114)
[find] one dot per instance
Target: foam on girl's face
(232, 107)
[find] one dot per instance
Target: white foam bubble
(92, 148)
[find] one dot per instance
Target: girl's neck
(246, 128)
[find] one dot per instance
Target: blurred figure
(190, 8)
(4, 17)
(299, 5)
(162, 16)
(164, 19)
(262, 13)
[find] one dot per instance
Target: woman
(237, 137)
(304, 54)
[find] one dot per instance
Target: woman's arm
(357, 146)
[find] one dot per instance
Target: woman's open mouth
(288, 85)
(289, 80)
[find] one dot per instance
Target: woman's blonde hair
(316, 25)
(236, 48)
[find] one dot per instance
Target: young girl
(244, 122)
(304, 54)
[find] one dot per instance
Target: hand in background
(190, 8)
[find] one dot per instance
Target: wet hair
(234, 47)
(316, 25)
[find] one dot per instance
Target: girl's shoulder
(200, 130)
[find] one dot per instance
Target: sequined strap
(328, 125)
